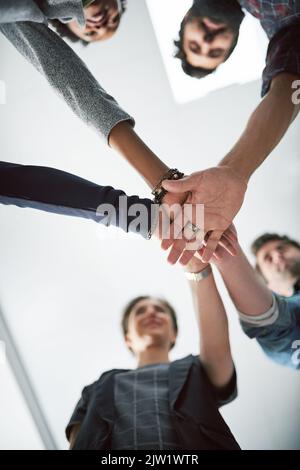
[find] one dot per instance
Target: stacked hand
(222, 192)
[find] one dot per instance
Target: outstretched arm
(266, 127)
(211, 317)
(222, 189)
(56, 191)
(246, 288)
(70, 78)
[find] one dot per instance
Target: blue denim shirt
(281, 340)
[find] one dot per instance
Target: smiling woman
(102, 19)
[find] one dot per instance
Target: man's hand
(222, 192)
(229, 241)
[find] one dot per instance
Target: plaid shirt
(281, 21)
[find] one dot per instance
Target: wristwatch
(199, 276)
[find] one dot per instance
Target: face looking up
(209, 33)
(102, 20)
(279, 263)
(149, 324)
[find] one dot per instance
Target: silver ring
(193, 227)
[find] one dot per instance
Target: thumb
(178, 186)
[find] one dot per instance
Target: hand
(222, 192)
(227, 247)
(170, 208)
(195, 265)
(222, 253)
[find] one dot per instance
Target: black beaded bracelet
(158, 191)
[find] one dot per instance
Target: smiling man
(267, 299)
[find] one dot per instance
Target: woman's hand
(195, 265)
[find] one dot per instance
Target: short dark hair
(64, 31)
(270, 237)
(128, 309)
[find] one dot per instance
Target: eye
(140, 310)
(90, 33)
(159, 308)
(115, 19)
(194, 47)
(281, 247)
(215, 53)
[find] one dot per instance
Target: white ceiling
(63, 286)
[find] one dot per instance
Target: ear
(173, 339)
(128, 342)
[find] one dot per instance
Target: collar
(297, 287)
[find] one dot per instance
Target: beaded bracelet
(158, 191)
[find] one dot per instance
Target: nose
(205, 48)
(209, 37)
(276, 256)
(151, 311)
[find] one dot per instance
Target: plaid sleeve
(283, 54)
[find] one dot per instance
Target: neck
(152, 355)
(286, 288)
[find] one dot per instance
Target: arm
(67, 75)
(272, 320)
(266, 127)
(73, 435)
(70, 78)
(246, 288)
(78, 416)
(211, 317)
(59, 192)
(222, 189)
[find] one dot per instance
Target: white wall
(62, 287)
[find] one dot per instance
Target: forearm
(265, 128)
(246, 288)
(67, 75)
(55, 191)
(125, 141)
(213, 328)
(20, 10)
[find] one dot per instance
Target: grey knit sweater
(25, 25)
